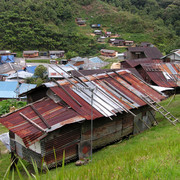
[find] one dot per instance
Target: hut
(59, 116)
(108, 53)
(31, 54)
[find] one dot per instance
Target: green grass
(153, 154)
(38, 61)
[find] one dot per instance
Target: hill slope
(45, 24)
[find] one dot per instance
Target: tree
(71, 54)
(40, 71)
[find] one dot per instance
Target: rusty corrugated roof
(135, 62)
(115, 92)
(159, 75)
(56, 115)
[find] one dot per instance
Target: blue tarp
(31, 69)
(8, 89)
(26, 87)
(96, 60)
(7, 59)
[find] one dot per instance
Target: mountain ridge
(43, 25)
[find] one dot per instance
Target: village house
(30, 54)
(6, 59)
(97, 32)
(111, 41)
(108, 34)
(5, 52)
(9, 68)
(43, 53)
(57, 53)
(56, 73)
(128, 43)
(101, 39)
(21, 75)
(11, 89)
(58, 116)
(146, 44)
(155, 72)
(174, 56)
(119, 42)
(80, 21)
(143, 52)
(95, 25)
(108, 53)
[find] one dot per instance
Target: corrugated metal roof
(56, 52)
(20, 74)
(56, 115)
(55, 72)
(4, 51)
(114, 92)
(30, 52)
(7, 89)
(5, 68)
(30, 69)
(107, 50)
(136, 62)
(159, 77)
(89, 72)
(134, 71)
(150, 52)
(96, 60)
(7, 59)
(25, 87)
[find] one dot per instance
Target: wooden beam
(33, 123)
(40, 116)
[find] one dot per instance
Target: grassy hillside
(153, 154)
(46, 25)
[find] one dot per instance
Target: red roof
(54, 113)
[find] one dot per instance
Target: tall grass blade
(37, 176)
(6, 175)
(19, 174)
(12, 176)
(55, 158)
(27, 172)
(63, 162)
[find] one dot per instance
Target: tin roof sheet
(56, 115)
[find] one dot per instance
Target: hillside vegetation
(50, 24)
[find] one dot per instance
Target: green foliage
(6, 104)
(49, 25)
(39, 81)
(71, 54)
(40, 71)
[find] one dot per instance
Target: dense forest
(50, 24)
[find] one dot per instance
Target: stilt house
(59, 115)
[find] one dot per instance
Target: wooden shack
(30, 54)
(108, 53)
(60, 118)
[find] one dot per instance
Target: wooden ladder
(157, 107)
